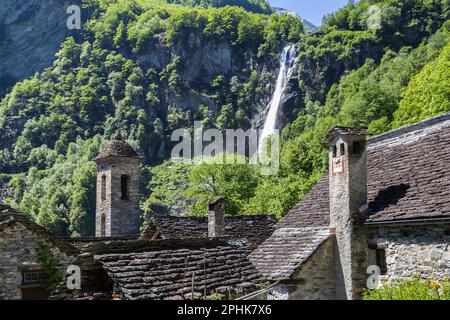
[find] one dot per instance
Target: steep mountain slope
(146, 70)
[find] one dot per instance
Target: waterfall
(286, 68)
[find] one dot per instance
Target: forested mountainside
(145, 67)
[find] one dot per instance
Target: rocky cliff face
(203, 60)
(31, 32)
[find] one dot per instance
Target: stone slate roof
(117, 148)
(163, 270)
(9, 217)
(408, 179)
(312, 211)
(299, 234)
(253, 228)
(281, 255)
(409, 172)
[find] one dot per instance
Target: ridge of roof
(254, 228)
(143, 245)
(395, 136)
(9, 216)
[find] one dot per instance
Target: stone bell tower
(348, 201)
(117, 210)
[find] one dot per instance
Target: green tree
(428, 93)
(236, 182)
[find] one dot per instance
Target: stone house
(20, 242)
(385, 202)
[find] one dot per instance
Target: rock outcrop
(31, 32)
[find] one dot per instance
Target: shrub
(411, 289)
(53, 274)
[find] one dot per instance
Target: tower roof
(117, 148)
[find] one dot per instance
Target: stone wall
(317, 275)
(414, 250)
(18, 252)
(315, 280)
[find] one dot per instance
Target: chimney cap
(118, 137)
(215, 202)
(344, 131)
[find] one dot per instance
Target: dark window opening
(103, 226)
(103, 188)
(342, 149)
(124, 187)
(381, 260)
(356, 147)
(334, 152)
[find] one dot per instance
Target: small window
(356, 147)
(124, 187)
(103, 188)
(334, 152)
(381, 260)
(342, 149)
(32, 277)
(103, 226)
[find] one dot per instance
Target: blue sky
(312, 10)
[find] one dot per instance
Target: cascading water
(286, 68)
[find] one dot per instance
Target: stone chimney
(216, 218)
(348, 198)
